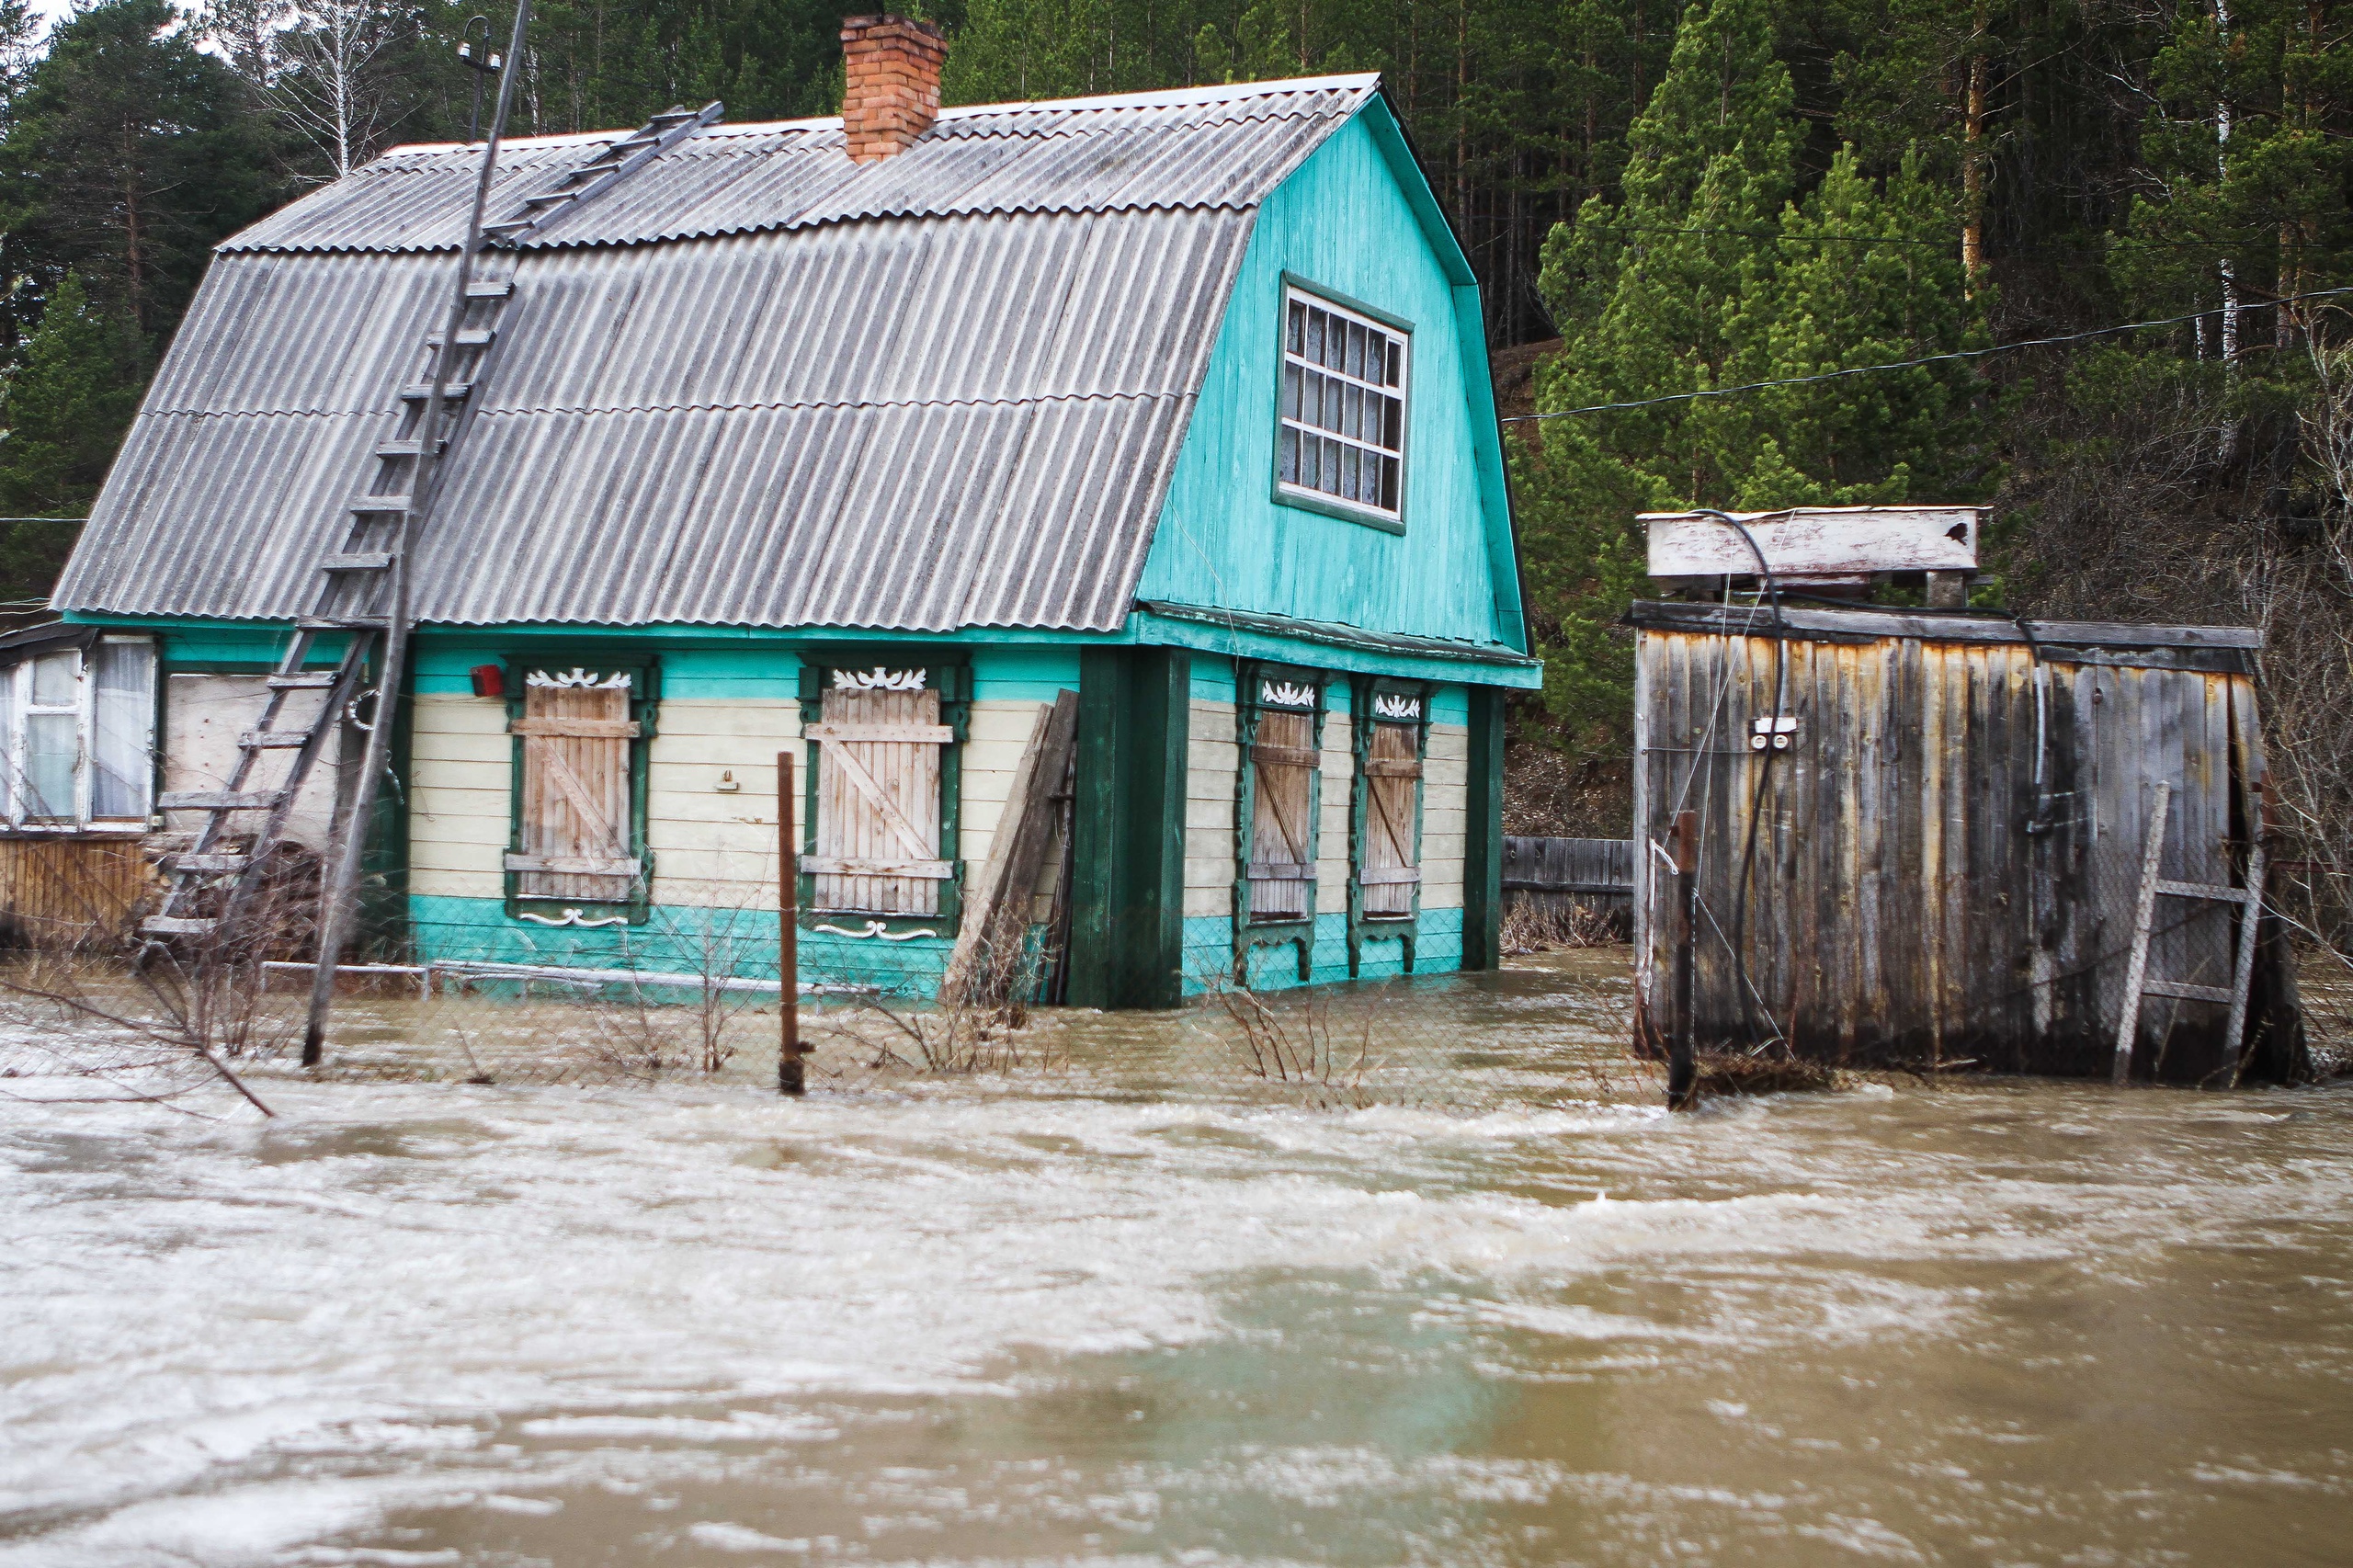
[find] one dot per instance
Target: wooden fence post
(789, 1078)
(1682, 1070)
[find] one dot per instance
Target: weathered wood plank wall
(1943, 863)
(60, 892)
(1557, 876)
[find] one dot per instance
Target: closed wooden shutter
(1392, 781)
(1282, 864)
(878, 802)
(575, 830)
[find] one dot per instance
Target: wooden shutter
(878, 802)
(1390, 865)
(1282, 866)
(575, 830)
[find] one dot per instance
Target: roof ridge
(1232, 92)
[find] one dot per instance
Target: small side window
(52, 756)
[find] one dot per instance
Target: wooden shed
(1926, 837)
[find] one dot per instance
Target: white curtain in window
(125, 718)
(52, 735)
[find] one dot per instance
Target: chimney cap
(852, 26)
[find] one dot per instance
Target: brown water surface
(1114, 1311)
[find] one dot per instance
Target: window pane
(1348, 471)
(1392, 424)
(1295, 335)
(53, 679)
(8, 701)
(126, 707)
(1351, 410)
(1356, 351)
(1315, 336)
(1388, 484)
(1396, 364)
(1289, 457)
(51, 747)
(1291, 391)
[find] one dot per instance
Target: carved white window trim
(880, 678)
(577, 679)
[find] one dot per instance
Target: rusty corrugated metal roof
(752, 386)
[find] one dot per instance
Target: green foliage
(1705, 274)
(64, 407)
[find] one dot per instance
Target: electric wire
(1913, 364)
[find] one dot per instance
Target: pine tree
(65, 408)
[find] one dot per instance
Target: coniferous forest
(1660, 200)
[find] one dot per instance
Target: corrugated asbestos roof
(755, 384)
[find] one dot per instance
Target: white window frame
(16, 691)
(1296, 434)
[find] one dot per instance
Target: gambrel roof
(755, 384)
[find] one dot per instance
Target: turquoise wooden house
(862, 445)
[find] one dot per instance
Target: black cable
(1739, 942)
(1924, 359)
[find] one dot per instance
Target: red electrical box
(490, 681)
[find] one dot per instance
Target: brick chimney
(893, 89)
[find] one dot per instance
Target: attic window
(1341, 447)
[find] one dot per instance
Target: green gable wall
(1356, 219)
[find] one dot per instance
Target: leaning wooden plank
(1000, 921)
(2136, 972)
(215, 800)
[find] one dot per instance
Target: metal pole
(790, 1074)
(1682, 1069)
(335, 903)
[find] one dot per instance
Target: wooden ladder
(2138, 984)
(361, 598)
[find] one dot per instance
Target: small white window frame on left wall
(15, 736)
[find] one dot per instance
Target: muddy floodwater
(1061, 1317)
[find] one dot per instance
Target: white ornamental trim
(1396, 706)
(880, 679)
(1286, 694)
(875, 928)
(575, 918)
(577, 680)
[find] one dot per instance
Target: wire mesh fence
(1472, 1043)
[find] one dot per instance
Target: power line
(1946, 242)
(1924, 359)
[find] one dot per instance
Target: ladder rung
(467, 337)
(206, 864)
(174, 926)
(215, 800)
(2188, 993)
(550, 197)
(371, 505)
(672, 115)
(377, 561)
(490, 288)
(341, 623)
(510, 226)
(456, 391)
(306, 680)
(272, 740)
(2203, 890)
(414, 447)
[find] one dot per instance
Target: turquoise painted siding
(676, 938)
(1208, 951)
(1345, 221)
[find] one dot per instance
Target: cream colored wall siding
(203, 715)
(460, 797)
(1212, 755)
(1446, 796)
(1337, 782)
(713, 849)
(716, 848)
